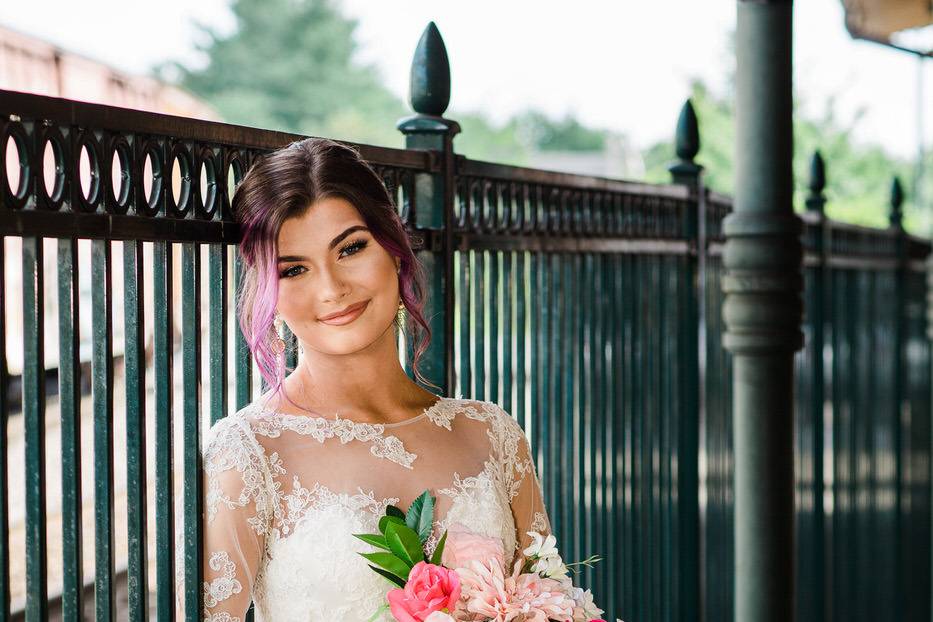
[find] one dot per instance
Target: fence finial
(817, 200)
(688, 133)
(686, 145)
(430, 74)
(897, 200)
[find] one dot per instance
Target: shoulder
(232, 437)
(502, 425)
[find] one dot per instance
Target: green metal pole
(814, 560)
(762, 312)
(687, 172)
(895, 220)
(433, 197)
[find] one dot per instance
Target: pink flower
(463, 545)
(429, 588)
(528, 597)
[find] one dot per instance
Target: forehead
(319, 224)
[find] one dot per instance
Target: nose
(331, 286)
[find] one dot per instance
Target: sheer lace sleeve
(237, 512)
(527, 499)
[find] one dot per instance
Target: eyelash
(356, 246)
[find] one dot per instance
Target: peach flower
(429, 588)
(528, 597)
(463, 545)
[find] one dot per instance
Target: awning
(903, 24)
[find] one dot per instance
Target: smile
(348, 317)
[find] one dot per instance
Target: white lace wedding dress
(285, 492)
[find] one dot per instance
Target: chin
(350, 338)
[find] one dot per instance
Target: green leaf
(404, 543)
(385, 520)
(376, 540)
(436, 558)
(390, 562)
(392, 510)
(388, 575)
(420, 517)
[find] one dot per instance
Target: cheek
(294, 300)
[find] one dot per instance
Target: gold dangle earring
(278, 345)
(401, 303)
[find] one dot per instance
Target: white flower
(551, 567)
(541, 547)
(590, 610)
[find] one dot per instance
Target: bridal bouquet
(466, 580)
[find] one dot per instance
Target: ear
(398, 264)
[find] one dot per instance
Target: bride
(290, 477)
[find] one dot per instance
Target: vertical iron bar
(34, 422)
(69, 390)
(243, 366)
(135, 366)
(163, 338)
(4, 449)
(191, 388)
(102, 371)
(218, 330)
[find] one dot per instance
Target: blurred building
(32, 65)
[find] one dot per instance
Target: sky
(620, 65)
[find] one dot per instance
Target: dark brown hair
(284, 184)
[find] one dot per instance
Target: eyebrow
(348, 231)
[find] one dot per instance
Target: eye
(288, 272)
(353, 247)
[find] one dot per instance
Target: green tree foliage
(514, 141)
(288, 65)
(858, 175)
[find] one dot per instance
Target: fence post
(433, 198)
(929, 314)
(895, 219)
(816, 312)
(688, 173)
(762, 312)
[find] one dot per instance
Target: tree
(288, 65)
(858, 175)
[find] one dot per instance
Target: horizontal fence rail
(589, 308)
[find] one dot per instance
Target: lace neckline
(431, 412)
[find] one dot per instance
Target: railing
(589, 308)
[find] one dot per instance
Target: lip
(345, 316)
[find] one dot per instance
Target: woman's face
(328, 261)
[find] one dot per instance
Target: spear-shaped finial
(897, 200)
(430, 74)
(817, 200)
(687, 144)
(688, 133)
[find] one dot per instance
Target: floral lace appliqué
(223, 587)
(539, 523)
(270, 424)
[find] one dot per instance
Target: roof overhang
(906, 25)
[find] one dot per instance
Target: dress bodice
(285, 493)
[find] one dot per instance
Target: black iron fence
(589, 308)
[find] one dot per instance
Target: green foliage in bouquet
(401, 540)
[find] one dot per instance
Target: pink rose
(463, 545)
(429, 588)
